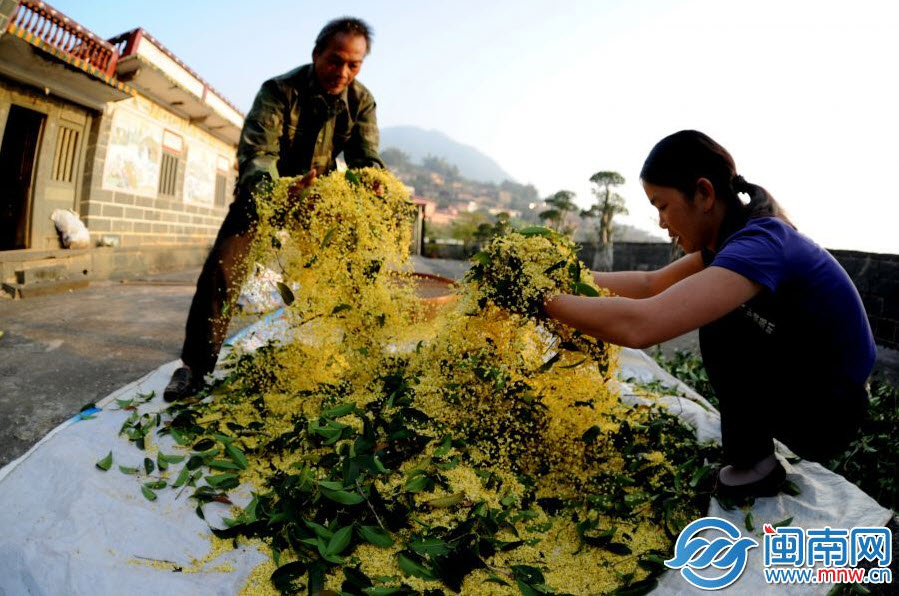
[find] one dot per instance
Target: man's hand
(296, 188)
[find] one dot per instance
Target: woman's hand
(642, 322)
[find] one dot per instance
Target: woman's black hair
(680, 160)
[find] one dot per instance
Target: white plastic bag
(72, 231)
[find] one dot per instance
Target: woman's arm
(638, 323)
(643, 284)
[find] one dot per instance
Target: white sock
(732, 476)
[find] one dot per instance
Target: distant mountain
(418, 143)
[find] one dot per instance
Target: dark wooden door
(17, 160)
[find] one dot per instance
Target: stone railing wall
(875, 275)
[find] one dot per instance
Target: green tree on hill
(560, 205)
(608, 205)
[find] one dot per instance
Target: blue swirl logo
(728, 552)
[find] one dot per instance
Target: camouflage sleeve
(259, 146)
(361, 149)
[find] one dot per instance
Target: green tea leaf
(237, 455)
(445, 445)
(156, 485)
(555, 267)
(748, 522)
(482, 258)
(352, 177)
(384, 591)
(699, 474)
(338, 411)
(419, 484)
(653, 563)
(789, 487)
(447, 501)
(327, 239)
(203, 445)
(410, 567)
(149, 494)
(179, 437)
(356, 578)
(550, 363)
(182, 478)
(322, 547)
(495, 579)
(149, 466)
(644, 586)
(618, 548)
(209, 453)
(126, 470)
(340, 540)
(222, 464)
(784, 522)
(590, 434)
(376, 536)
(380, 466)
(286, 293)
(105, 463)
(341, 496)
(320, 530)
(537, 231)
(430, 546)
(531, 576)
(582, 289)
(223, 481)
(286, 577)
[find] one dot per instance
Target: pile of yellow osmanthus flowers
(481, 450)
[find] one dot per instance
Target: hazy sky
(802, 93)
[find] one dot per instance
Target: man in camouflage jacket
(299, 123)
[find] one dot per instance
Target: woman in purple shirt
(782, 329)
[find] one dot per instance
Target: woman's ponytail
(761, 203)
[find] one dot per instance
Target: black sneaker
(768, 486)
(182, 385)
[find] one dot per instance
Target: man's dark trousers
(218, 288)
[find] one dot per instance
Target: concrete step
(16, 265)
(42, 273)
(43, 288)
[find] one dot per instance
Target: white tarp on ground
(68, 528)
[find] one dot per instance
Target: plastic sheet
(69, 528)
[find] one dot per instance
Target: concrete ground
(60, 352)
